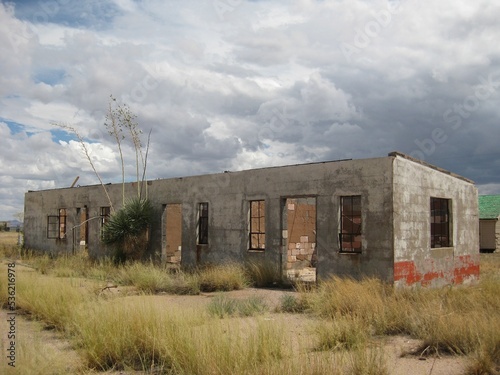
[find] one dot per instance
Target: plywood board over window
(172, 232)
(299, 235)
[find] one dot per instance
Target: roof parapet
(418, 161)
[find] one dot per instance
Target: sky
(239, 84)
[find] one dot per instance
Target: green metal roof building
(489, 227)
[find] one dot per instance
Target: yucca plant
(128, 229)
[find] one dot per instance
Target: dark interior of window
(350, 224)
(440, 222)
(203, 223)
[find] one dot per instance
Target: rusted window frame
(56, 225)
(104, 214)
(440, 223)
(348, 235)
(260, 231)
(203, 223)
(53, 227)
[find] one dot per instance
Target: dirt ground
(298, 326)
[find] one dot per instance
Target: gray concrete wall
(415, 261)
(38, 205)
(228, 195)
(394, 192)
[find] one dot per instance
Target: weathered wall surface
(395, 194)
(229, 196)
(415, 262)
(38, 205)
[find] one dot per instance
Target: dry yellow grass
(140, 334)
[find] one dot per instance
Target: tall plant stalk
(114, 126)
(83, 145)
(127, 228)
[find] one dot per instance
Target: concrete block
(304, 238)
(285, 233)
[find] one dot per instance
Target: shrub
(368, 361)
(221, 306)
(150, 278)
(291, 304)
(347, 297)
(344, 333)
(224, 277)
(127, 229)
(263, 273)
(49, 299)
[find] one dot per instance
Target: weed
(263, 273)
(342, 334)
(222, 278)
(52, 300)
(367, 361)
(252, 306)
(222, 306)
(291, 304)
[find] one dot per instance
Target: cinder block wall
(395, 194)
(415, 262)
(229, 196)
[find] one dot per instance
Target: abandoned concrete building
(393, 217)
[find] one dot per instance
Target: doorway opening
(299, 238)
(172, 233)
(81, 237)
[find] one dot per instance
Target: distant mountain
(14, 224)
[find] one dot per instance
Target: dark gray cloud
(250, 84)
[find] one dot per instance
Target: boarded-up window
(350, 224)
(257, 225)
(440, 223)
(203, 223)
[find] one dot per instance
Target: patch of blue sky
(14, 127)
(96, 14)
(49, 76)
(62, 135)
(66, 136)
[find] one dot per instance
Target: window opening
(350, 224)
(203, 223)
(56, 225)
(104, 217)
(440, 222)
(257, 225)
